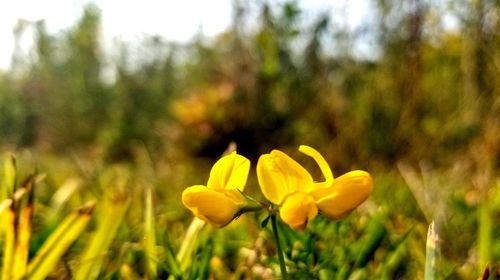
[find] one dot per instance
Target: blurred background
(408, 90)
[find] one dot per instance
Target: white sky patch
(126, 21)
(130, 21)
(59, 14)
(177, 21)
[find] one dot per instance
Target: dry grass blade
(59, 241)
(15, 216)
(113, 211)
(19, 193)
(486, 273)
(23, 235)
(7, 203)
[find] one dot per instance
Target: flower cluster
(284, 182)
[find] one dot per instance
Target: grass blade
(17, 230)
(59, 241)
(484, 235)
(23, 236)
(374, 235)
(113, 210)
(202, 266)
(9, 230)
(172, 265)
(21, 192)
(189, 243)
(431, 253)
(150, 234)
(8, 182)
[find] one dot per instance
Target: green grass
(136, 228)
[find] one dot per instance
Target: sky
(130, 20)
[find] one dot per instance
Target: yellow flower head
(219, 202)
(287, 184)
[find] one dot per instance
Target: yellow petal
(212, 206)
(236, 196)
(280, 175)
(297, 210)
(229, 172)
(239, 174)
(346, 193)
(323, 165)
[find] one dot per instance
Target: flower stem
(249, 208)
(281, 258)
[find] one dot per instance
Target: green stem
(284, 274)
(249, 208)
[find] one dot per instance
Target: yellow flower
(287, 184)
(219, 202)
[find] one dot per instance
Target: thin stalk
(431, 253)
(249, 208)
(284, 274)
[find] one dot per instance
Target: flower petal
(297, 210)
(239, 174)
(212, 206)
(280, 175)
(229, 172)
(271, 179)
(346, 193)
(236, 196)
(323, 165)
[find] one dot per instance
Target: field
(94, 170)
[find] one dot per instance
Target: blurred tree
(277, 84)
(141, 103)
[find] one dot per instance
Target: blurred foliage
(421, 112)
